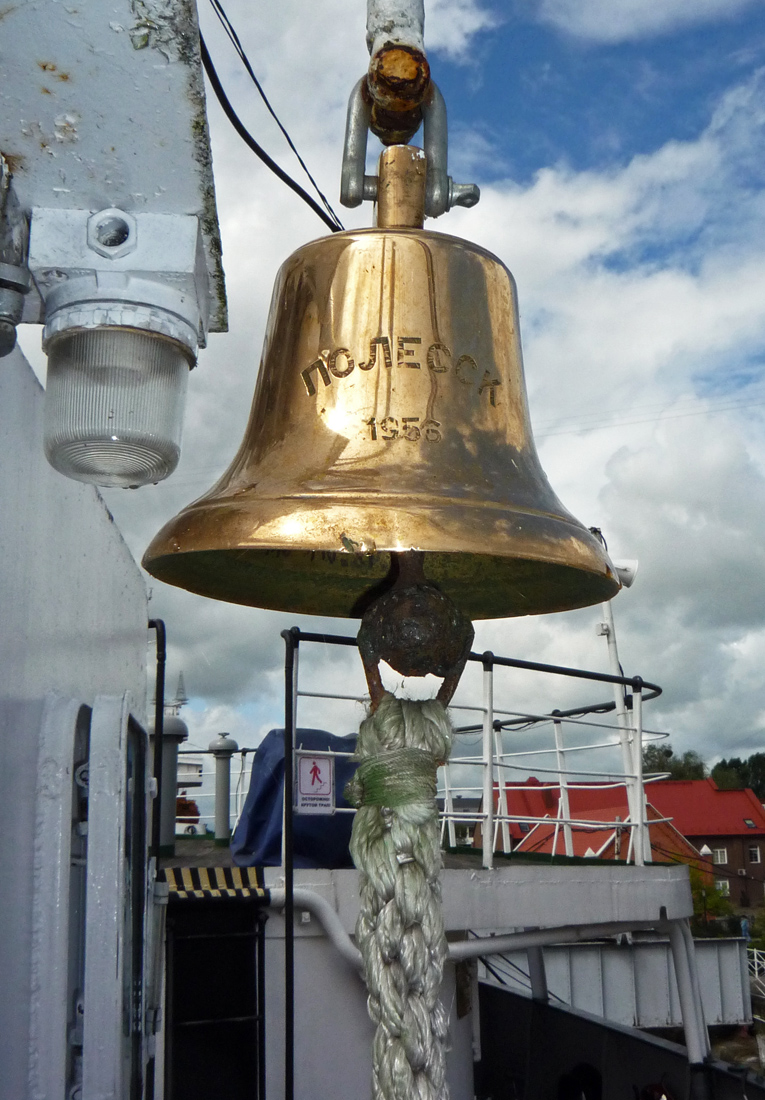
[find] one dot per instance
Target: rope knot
(394, 779)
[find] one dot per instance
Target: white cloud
(640, 292)
(626, 20)
(451, 25)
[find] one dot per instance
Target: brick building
(730, 823)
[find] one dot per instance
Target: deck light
(124, 316)
(117, 377)
(626, 570)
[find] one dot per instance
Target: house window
(749, 823)
(722, 885)
(719, 855)
(754, 853)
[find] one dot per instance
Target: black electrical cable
(249, 140)
(228, 27)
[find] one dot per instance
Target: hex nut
(112, 233)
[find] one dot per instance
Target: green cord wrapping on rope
(393, 779)
(400, 928)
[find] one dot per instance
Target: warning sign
(316, 784)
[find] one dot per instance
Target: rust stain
(397, 83)
(47, 66)
(399, 77)
(45, 91)
(64, 77)
(14, 161)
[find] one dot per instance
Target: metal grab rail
(493, 792)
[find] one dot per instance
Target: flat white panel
(105, 903)
(586, 984)
(619, 985)
(74, 623)
(50, 905)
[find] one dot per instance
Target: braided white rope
(400, 928)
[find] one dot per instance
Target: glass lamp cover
(114, 405)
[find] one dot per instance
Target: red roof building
(730, 823)
(593, 803)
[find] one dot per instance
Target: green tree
(709, 905)
(735, 774)
(756, 774)
(661, 758)
(727, 776)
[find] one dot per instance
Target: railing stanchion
(502, 804)
(643, 840)
(488, 760)
(564, 807)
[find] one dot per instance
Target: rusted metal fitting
(415, 629)
(397, 84)
(441, 191)
(15, 279)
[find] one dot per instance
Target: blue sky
(543, 95)
(619, 147)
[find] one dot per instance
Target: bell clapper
(415, 629)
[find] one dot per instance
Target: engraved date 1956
(408, 427)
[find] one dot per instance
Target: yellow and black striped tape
(214, 882)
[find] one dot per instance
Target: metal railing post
(565, 809)
(643, 843)
(292, 641)
(488, 760)
(159, 719)
(622, 717)
(502, 804)
(448, 811)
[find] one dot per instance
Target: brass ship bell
(390, 414)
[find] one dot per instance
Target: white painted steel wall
(333, 1032)
(635, 984)
(103, 105)
(74, 620)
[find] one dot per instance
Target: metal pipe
(223, 748)
(690, 950)
(520, 941)
(650, 691)
(695, 1042)
(327, 917)
(537, 974)
(473, 948)
(399, 74)
(159, 717)
(260, 980)
(400, 21)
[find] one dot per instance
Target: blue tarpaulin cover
(319, 840)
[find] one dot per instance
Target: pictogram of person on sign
(315, 774)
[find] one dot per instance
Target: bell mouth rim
(331, 584)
